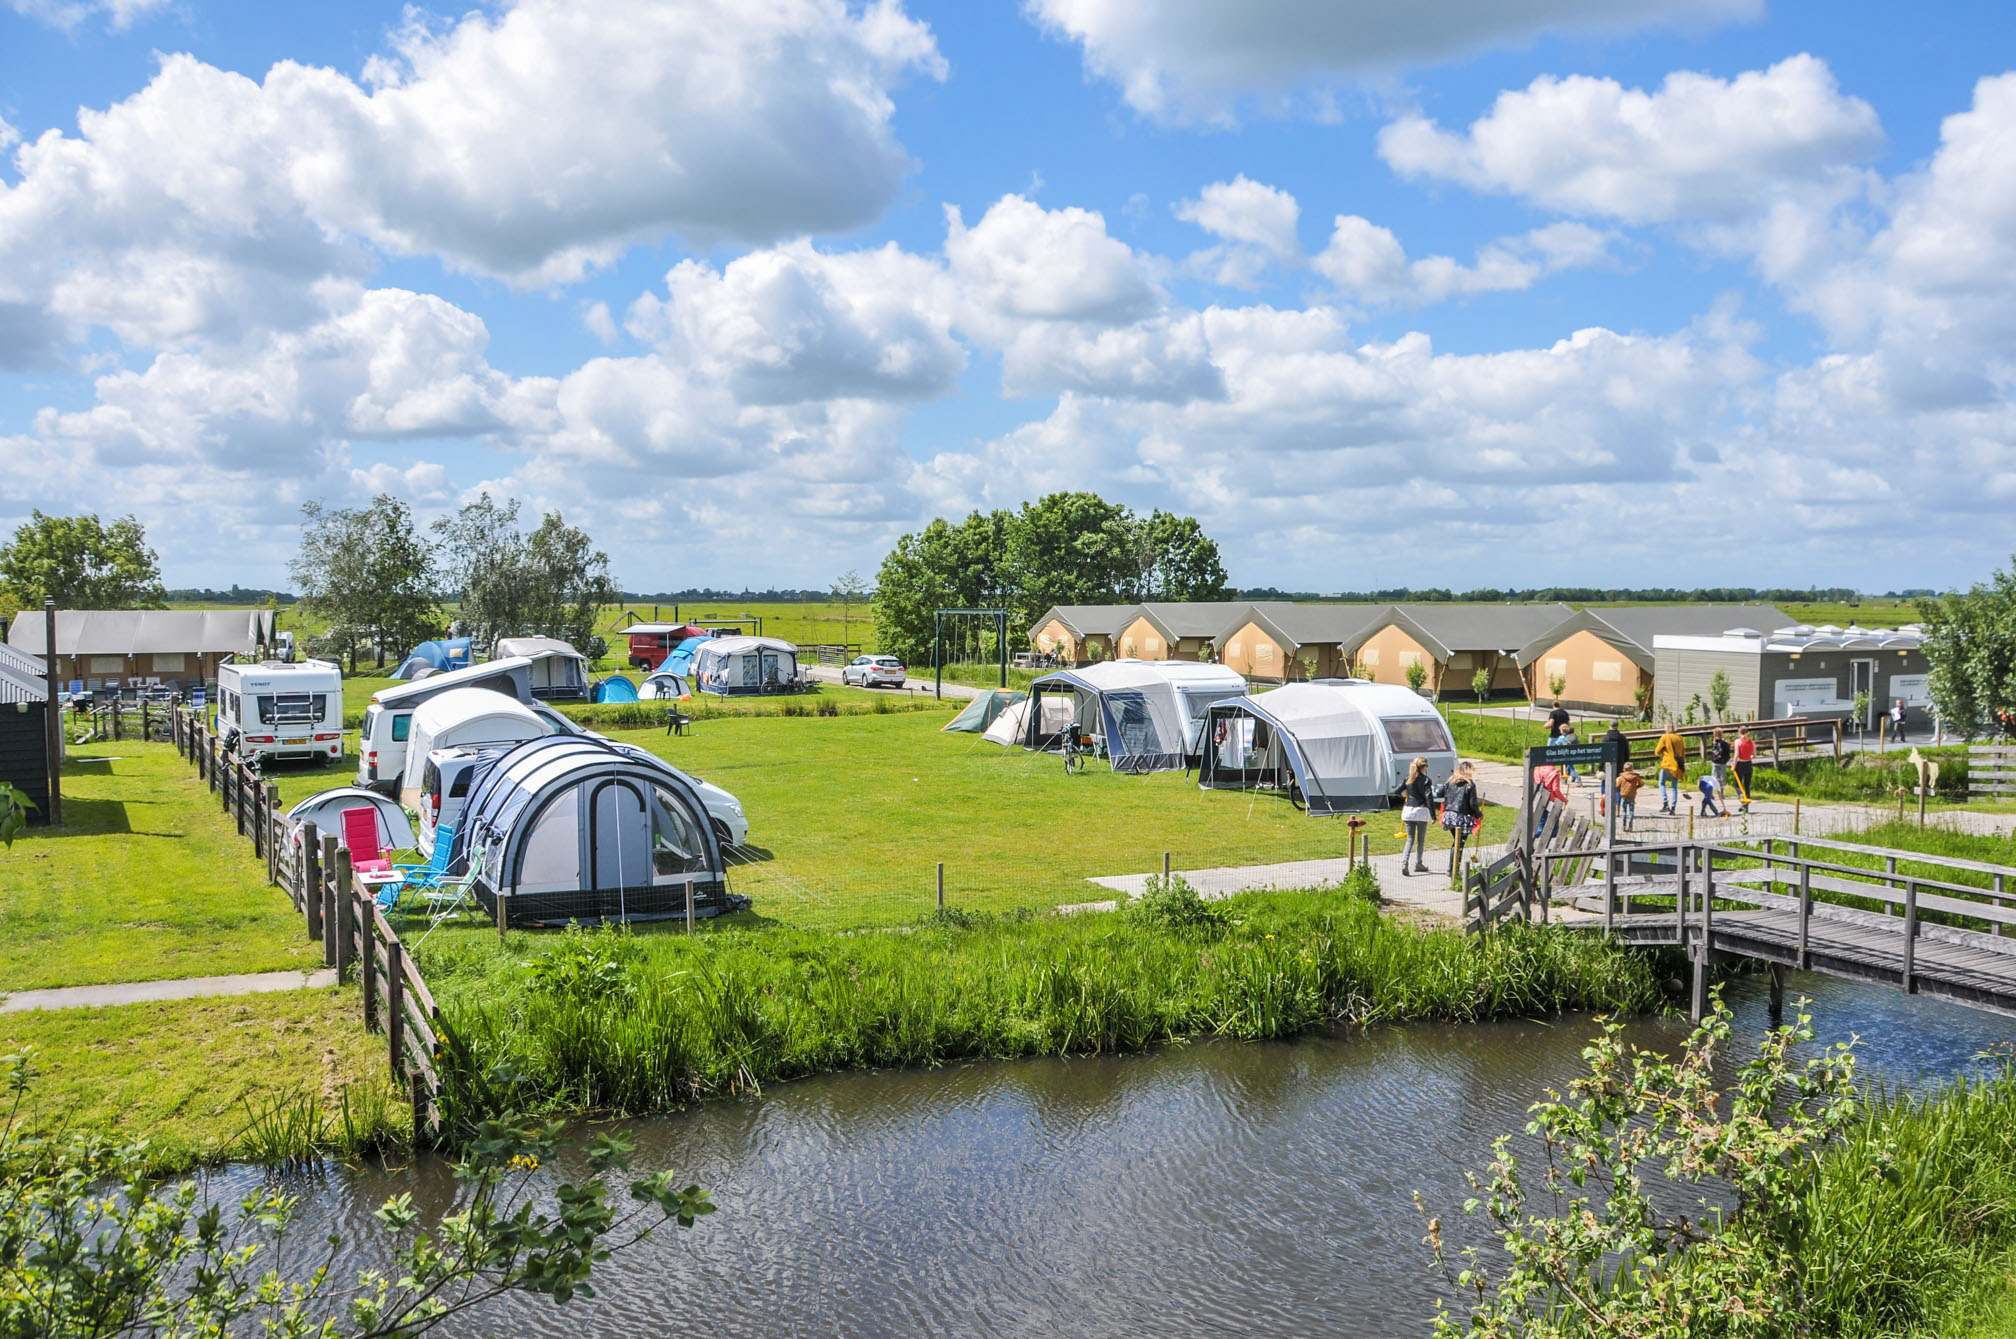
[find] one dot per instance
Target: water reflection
(1210, 1189)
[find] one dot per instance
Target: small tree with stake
(1557, 684)
(1480, 684)
(1718, 694)
(1417, 674)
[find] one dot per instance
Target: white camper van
(458, 717)
(274, 710)
(381, 749)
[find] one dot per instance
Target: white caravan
(275, 710)
(381, 749)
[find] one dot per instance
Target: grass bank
(1870, 778)
(146, 881)
(639, 1022)
(256, 1076)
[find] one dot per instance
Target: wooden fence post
(309, 894)
(258, 821)
(331, 854)
(367, 974)
(146, 721)
(275, 837)
(941, 885)
(395, 1002)
(346, 914)
(239, 772)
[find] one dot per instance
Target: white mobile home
(388, 721)
(276, 710)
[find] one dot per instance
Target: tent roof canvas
(981, 712)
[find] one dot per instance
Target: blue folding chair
(421, 877)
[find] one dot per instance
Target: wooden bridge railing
(314, 870)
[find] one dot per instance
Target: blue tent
(615, 688)
(680, 660)
(452, 653)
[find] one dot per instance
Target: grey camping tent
(1344, 744)
(570, 827)
(1149, 713)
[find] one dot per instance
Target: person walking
(1746, 765)
(1897, 721)
(1672, 752)
(1719, 754)
(1548, 786)
(1462, 813)
(1629, 783)
(1709, 790)
(1617, 750)
(1417, 811)
(1568, 736)
(1557, 721)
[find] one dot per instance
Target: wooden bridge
(1923, 924)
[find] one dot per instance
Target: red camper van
(650, 643)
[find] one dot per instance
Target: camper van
(388, 721)
(271, 709)
(462, 716)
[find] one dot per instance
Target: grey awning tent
(1149, 712)
(1343, 744)
(728, 666)
(558, 670)
(982, 711)
(571, 828)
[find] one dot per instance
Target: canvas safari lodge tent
(1343, 744)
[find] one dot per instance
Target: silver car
(868, 671)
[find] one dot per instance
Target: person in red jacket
(1746, 765)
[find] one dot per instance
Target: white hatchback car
(867, 671)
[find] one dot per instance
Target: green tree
(1178, 560)
(81, 563)
(1071, 548)
(1480, 684)
(90, 1246)
(569, 581)
(849, 590)
(367, 571)
(1718, 694)
(550, 583)
(942, 566)
(1970, 645)
(14, 807)
(1417, 674)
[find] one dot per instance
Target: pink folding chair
(360, 835)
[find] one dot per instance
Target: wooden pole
(1165, 869)
(941, 885)
(367, 971)
(1795, 815)
(1924, 784)
(346, 915)
(1609, 845)
(330, 856)
(395, 1002)
(275, 856)
(310, 899)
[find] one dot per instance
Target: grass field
(203, 1080)
(145, 881)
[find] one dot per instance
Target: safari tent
(572, 828)
(983, 711)
(1150, 713)
(1344, 744)
(449, 654)
(731, 666)
(559, 672)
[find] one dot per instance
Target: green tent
(981, 711)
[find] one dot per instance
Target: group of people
(1462, 812)
(1726, 759)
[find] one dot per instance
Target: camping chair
(445, 900)
(421, 877)
(360, 836)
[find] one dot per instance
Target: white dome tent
(728, 666)
(570, 828)
(1344, 743)
(1150, 712)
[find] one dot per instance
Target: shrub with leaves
(1597, 1248)
(1173, 904)
(14, 807)
(90, 1246)
(1363, 884)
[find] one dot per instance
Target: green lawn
(145, 881)
(357, 693)
(188, 1075)
(849, 815)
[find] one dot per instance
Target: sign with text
(1593, 754)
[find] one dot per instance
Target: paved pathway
(914, 687)
(148, 992)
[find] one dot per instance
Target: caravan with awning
(1342, 745)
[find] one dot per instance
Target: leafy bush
(14, 807)
(1363, 884)
(1172, 904)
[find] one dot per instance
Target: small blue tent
(450, 654)
(615, 688)
(679, 660)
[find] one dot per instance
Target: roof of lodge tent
(533, 647)
(122, 632)
(1087, 620)
(1294, 626)
(1632, 628)
(1177, 620)
(1446, 629)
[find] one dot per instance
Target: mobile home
(388, 721)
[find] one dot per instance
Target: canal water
(1208, 1189)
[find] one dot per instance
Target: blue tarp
(616, 688)
(680, 660)
(451, 653)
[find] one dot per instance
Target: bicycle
(1078, 750)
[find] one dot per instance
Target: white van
(463, 716)
(273, 710)
(388, 721)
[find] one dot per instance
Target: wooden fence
(1991, 770)
(315, 872)
(1799, 733)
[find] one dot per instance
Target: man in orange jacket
(1672, 752)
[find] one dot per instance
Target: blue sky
(1465, 293)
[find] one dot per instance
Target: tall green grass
(1864, 777)
(631, 1023)
(1504, 738)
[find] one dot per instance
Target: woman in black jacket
(1462, 813)
(1417, 811)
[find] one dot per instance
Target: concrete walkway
(911, 687)
(149, 992)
